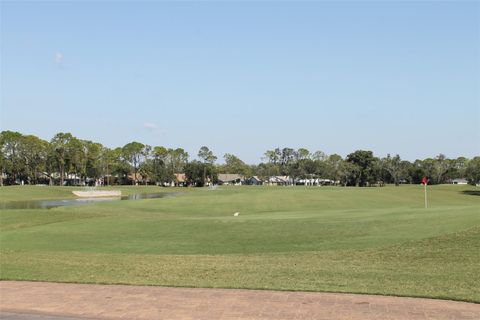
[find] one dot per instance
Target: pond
(47, 204)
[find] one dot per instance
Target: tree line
(65, 159)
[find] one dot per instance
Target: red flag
(424, 180)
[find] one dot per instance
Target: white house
(315, 182)
(280, 181)
(459, 181)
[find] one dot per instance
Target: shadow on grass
(472, 192)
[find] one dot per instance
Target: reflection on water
(47, 204)
(140, 196)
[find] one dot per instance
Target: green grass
(362, 240)
(24, 193)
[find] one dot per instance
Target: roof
(180, 177)
(283, 179)
(226, 177)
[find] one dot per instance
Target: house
(230, 179)
(459, 181)
(180, 180)
(72, 179)
(280, 181)
(327, 182)
(133, 178)
(315, 182)
(254, 181)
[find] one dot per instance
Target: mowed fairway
(360, 240)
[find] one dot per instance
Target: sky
(245, 77)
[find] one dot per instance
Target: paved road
(53, 301)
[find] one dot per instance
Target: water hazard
(47, 204)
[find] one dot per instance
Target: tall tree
(288, 156)
(365, 161)
(51, 165)
(195, 172)
(273, 166)
(76, 158)
(302, 166)
(234, 164)
(94, 159)
(334, 167)
(60, 143)
(10, 142)
(441, 167)
(351, 174)
(319, 156)
(207, 157)
(458, 167)
(147, 171)
(108, 161)
(472, 172)
(303, 154)
(133, 153)
(272, 156)
(121, 168)
(3, 163)
(160, 172)
(395, 167)
(33, 152)
(178, 158)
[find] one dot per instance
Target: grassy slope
(371, 240)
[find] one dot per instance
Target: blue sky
(244, 77)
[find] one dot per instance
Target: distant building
(180, 180)
(459, 181)
(315, 182)
(280, 181)
(73, 180)
(230, 179)
(254, 181)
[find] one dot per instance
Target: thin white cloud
(150, 126)
(59, 58)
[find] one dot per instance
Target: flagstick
(426, 203)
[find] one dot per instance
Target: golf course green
(358, 240)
